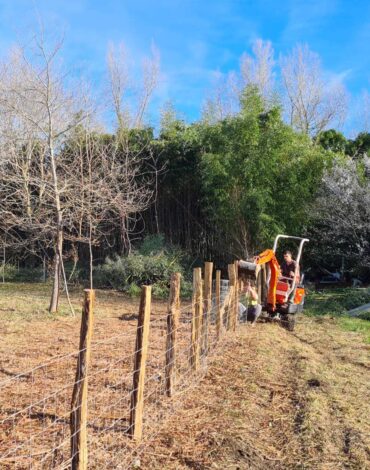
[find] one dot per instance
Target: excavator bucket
(248, 270)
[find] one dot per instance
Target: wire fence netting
(35, 404)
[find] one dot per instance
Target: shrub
(13, 274)
(133, 290)
(8, 272)
(364, 316)
(153, 263)
(355, 298)
(153, 244)
(336, 301)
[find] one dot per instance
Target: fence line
(57, 415)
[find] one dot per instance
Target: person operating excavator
(289, 267)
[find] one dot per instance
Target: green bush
(8, 272)
(160, 290)
(133, 290)
(355, 298)
(186, 289)
(153, 244)
(153, 263)
(13, 274)
(364, 316)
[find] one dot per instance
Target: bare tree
(107, 184)
(258, 70)
(23, 175)
(131, 102)
(255, 70)
(151, 69)
(224, 99)
(119, 82)
(312, 104)
(33, 97)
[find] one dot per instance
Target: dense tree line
(229, 187)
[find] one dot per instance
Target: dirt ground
(38, 356)
(276, 400)
(269, 400)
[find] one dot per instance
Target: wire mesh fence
(36, 407)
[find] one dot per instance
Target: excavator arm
(267, 257)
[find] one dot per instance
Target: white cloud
(305, 17)
(334, 79)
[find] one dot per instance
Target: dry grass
(271, 400)
(39, 434)
(30, 337)
(276, 401)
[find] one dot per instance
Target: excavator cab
(281, 297)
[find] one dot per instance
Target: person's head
(287, 256)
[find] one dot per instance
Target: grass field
(334, 303)
(271, 399)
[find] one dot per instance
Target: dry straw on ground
(37, 378)
(275, 400)
(270, 399)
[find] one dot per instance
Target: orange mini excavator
(281, 297)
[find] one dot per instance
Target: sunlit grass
(356, 325)
(336, 303)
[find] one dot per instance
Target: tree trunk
(125, 237)
(91, 255)
(54, 301)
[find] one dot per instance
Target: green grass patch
(30, 301)
(356, 325)
(336, 301)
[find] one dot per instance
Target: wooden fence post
(78, 417)
(196, 322)
(231, 307)
(172, 326)
(208, 268)
(219, 319)
(225, 308)
(141, 351)
(236, 302)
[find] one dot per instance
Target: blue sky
(197, 39)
